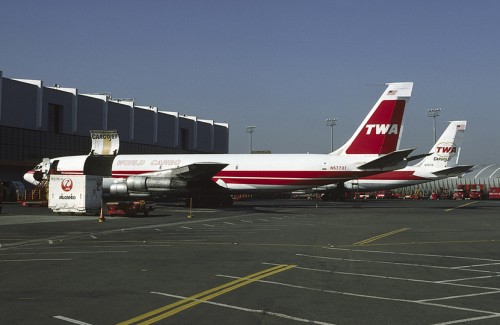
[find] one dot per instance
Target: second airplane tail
(446, 150)
(380, 131)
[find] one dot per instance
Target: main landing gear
(211, 201)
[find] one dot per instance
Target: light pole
(331, 122)
(434, 112)
(249, 129)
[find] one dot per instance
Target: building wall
(53, 98)
(186, 133)
(204, 136)
(143, 125)
(90, 114)
(18, 100)
(38, 122)
(167, 130)
(119, 119)
(221, 134)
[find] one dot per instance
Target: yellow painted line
(461, 206)
(194, 300)
(387, 234)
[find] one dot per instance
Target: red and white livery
(441, 162)
(372, 149)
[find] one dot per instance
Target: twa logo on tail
(446, 149)
(382, 128)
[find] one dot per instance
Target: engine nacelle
(118, 189)
(144, 184)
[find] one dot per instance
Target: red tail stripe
(389, 112)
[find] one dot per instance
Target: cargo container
(75, 194)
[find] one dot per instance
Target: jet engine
(143, 185)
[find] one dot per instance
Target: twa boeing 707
(441, 162)
(372, 149)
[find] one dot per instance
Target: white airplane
(372, 149)
(441, 162)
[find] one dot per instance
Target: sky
(284, 66)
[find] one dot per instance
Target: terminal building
(38, 121)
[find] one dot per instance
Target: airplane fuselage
(244, 172)
(389, 180)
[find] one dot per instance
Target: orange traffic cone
(101, 217)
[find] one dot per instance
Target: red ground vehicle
(458, 194)
(494, 193)
(130, 208)
(386, 195)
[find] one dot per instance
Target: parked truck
(476, 192)
(494, 193)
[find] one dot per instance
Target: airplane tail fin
(446, 150)
(380, 131)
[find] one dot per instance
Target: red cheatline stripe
(277, 181)
(258, 173)
(395, 176)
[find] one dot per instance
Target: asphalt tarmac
(260, 262)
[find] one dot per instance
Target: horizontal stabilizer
(411, 158)
(453, 171)
(386, 161)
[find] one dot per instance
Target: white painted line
(228, 223)
(396, 263)
(320, 290)
(89, 252)
(263, 219)
(368, 296)
(413, 254)
(70, 320)
(246, 221)
(208, 225)
(459, 308)
(477, 265)
(93, 237)
(373, 261)
(186, 227)
(38, 260)
(467, 279)
(257, 311)
(390, 277)
(467, 320)
(461, 296)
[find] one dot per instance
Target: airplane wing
(198, 171)
(190, 178)
(453, 171)
(195, 172)
(393, 158)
